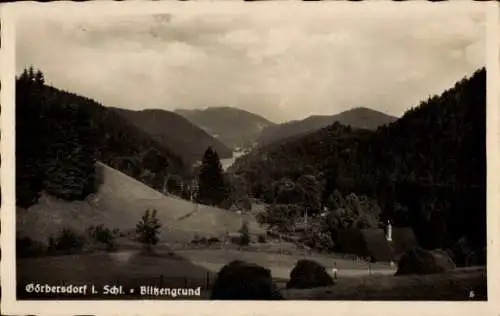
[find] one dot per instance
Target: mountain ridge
(358, 117)
(175, 132)
(234, 127)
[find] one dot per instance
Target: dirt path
(278, 271)
(284, 272)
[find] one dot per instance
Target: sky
(282, 65)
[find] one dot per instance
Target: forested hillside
(60, 136)
(359, 118)
(426, 170)
(234, 127)
(175, 132)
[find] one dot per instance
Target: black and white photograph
(250, 152)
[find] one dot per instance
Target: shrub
(463, 254)
(68, 241)
(308, 274)
(213, 240)
(240, 280)
(174, 185)
(196, 239)
(26, 247)
(262, 238)
(280, 216)
(319, 240)
(420, 261)
(103, 235)
(186, 193)
(245, 204)
(245, 234)
(225, 204)
(148, 229)
(352, 211)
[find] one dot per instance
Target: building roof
(373, 243)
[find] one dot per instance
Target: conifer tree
(212, 188)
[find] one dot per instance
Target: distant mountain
(358, 118)
(234, 127)
(60, 136)
(175, 132)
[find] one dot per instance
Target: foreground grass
(271, 259)
(457, 285)
(132, 270)
(129, 269)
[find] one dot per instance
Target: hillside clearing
(120, 203)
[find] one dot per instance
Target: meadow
(133, 269)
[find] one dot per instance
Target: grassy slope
(119, 203)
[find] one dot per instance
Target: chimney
(388, 235)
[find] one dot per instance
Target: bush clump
(26, 247)
(103, 235)
(240, 280)
(319, 237)
(261, 238)
(308, 274)
(67, 241)
(420, 261)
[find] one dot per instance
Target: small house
(376, 243)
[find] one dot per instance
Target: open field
(463, 284)
(129, 269)
(282, 264)
(120, 203)
(132, 270)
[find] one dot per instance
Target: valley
(327, 189)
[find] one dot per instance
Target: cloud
(283, 66)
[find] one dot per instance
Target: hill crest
(175, 132)
(358, 118)
(236, 128)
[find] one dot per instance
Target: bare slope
(119, 203)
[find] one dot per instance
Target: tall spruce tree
(212, 189)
